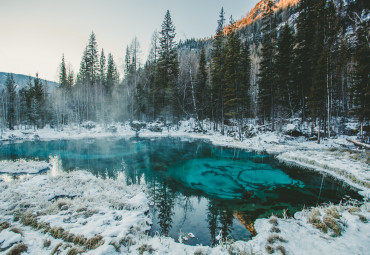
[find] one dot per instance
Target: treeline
(314, 65)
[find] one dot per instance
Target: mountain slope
(22, 81)
(257, 12)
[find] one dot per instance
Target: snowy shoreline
(329, 157)
(77, 211)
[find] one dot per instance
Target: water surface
(194, 186)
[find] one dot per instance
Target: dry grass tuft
(45, 227)
(79, 239)
(332, 224)
(200, 252)
(353, 209)
(75, 250)
(94, 242)
(269, 249)
(274, 238)
(145, 248)
(275, 230)
(56, 249)
(29, 219)
(333, 211)
(46, 243)
(127, 240)
(18, 249)
(17, 231)
(273, 220)
(281, 249)
(57, 232)
(362, 218)
(4, 225)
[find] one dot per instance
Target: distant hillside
(257, 12)
(22, 81)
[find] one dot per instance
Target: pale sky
(35, 33)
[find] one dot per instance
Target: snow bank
(22, 166)
(73, 208)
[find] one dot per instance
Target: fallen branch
(362, 145)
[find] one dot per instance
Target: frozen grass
(18, 249)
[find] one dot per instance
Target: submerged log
(359, 144)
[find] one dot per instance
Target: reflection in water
(194, 186)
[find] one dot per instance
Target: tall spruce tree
(112, 76)
(245, 80)
(217, 72)
(11, 101)
(287, 94)
(63, 79)
(92, 60)
(304, 62)
(167, 71)
(102, 68)
(267, 86)
(232, 74)
(201, 89)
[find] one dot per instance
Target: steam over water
(194, 186)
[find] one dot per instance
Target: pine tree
(217, 72)
(11, 101)
(38, 110)
(232, 74)
(201, 89)
(102, 68)
(63, 75)
(128, 66)
(304, 62)
(92, 60)
(83, 72)
(267, 81)
(287, 96)
(112, 76)
(245, 80)
(167, 70)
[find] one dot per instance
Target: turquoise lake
(194, 186)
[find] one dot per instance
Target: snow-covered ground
(65, 213)
(23, 166)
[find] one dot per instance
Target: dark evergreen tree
(63, 79)
(201, 90)
(267, 86)
(92, 60)
(217, 73)
(232, 74)
(245, 80)
(304, 62)
(287, 94)
(11, 101)
(167, 71)
(112, 76)
(102, 68)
